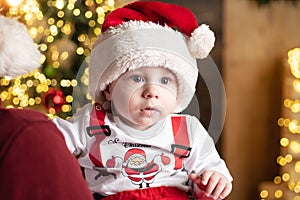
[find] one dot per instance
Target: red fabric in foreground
(161, 193)
(34, 160)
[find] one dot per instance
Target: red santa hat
(134, 152)
(150, 34)
(18, 53)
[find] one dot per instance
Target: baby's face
(144, 96)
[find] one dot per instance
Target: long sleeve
(204, 155)
(73, 130)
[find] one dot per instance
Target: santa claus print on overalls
(135, 166)
(134, 163)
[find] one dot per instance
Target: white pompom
(18, 53)
(201, 42)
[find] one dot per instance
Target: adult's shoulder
(17, 116)
(19, 123)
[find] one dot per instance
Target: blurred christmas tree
(64, 31)
(286, 186)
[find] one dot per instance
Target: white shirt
(130, 159)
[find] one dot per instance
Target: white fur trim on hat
(18, 53)
(201, 42)
(132, 45)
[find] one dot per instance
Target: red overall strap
(99, 130)
(181, 148)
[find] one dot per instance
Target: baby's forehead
(154, 70)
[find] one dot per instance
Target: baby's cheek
(170, 103)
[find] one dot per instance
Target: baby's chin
(142, 123)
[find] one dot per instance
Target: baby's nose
(151, 91)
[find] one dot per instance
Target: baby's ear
(107, 93)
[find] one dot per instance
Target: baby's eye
(137, 78)
(164, 80)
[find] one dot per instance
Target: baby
(130, 142)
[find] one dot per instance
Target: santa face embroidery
(136, 161)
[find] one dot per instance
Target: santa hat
(134, 152)
(142, 34)
(18, 53)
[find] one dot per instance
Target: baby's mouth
(149, 109)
